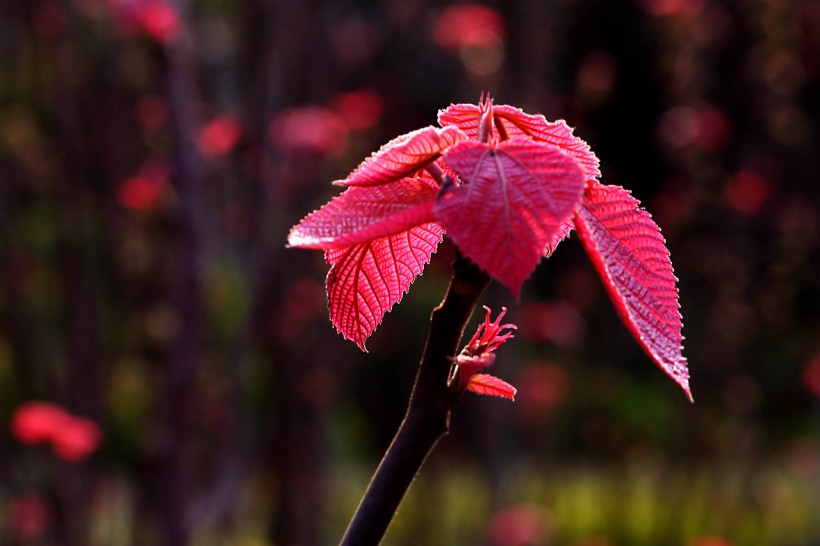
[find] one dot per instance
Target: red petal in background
(515, 123)
(367, 279)
(159, 20)
(360, 109)
(630, 255)
(468, 25)
(313, 128)
(513, 200)
(361, 214)
(481, 383)
(403, 156)
(219, 136)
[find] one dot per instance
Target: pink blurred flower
(72, 438)
(29, 517)
(811, 375)
(704, 127)
(360, 109)
(544, 386)
(139, 193)
(157, 19)
(711, 129)
(746, 192)
(76, 440)
(558, 322)
(309, 128)
(468, 25)
(37, 422)
(144, 190)
(660, 8)
(520, 526)
(219, 136)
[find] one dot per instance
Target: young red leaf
(403, 156)
(367, 279)
(514, 197)
(479, 354)
(630, 255)
(361, 214)
(482, 383)
(514, 122)
(489, 335)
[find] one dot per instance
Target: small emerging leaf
(513, 200)
(490, 335)
(403, 156)
(628, 251)
(478, 354)
(367, 279)
(489, 385)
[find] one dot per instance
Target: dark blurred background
(154, 154)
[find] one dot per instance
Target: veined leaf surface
(490, 385)
(367, 279)
(628, 251)
(403, 156)
(513, 199)
(563, 232)
(361, 214)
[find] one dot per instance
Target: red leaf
(563, 232)
(361, 214)
(481, 383)
(515, 123)
(513, 199)
(367, 279)
(403, 156)
(630, 255)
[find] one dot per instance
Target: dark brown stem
(428, 414)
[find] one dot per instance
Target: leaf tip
(683, 383)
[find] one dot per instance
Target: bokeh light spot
(746, 192)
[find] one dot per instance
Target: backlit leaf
(489, 385)
(516, 123)
(630, 255)
(361, 214)
(367, 279)
(514, 197)
(563, 232)
(403, 156)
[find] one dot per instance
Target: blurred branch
(185, 287)
(428, 413)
